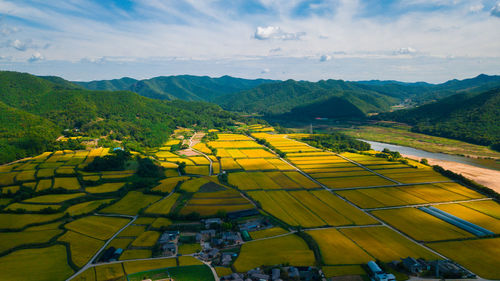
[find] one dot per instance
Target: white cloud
(495, 11)
(275, 32)
(405, 51)
(325, 58)
(476, 8)
(18, 45)
(265, 70)
(36, 57)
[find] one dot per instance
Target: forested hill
(35, 110)
(469, 117)
(184, 87)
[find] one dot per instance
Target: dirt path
(487, 177)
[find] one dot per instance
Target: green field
(9, 240)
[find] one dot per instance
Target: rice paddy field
(270, 232)
(420, 225)
(481, 256)
(270, 180)
(98, 227)
(82, 247)
(289, 249)
(473, 216)
(131, 203)
(163, 206)
(210, 203)
(10, 240)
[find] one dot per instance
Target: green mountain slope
(126, 115)
(469, 117)
(291, 97)
(184, 87)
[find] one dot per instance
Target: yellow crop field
(86, 207)
(9, 240)
(169, 165)
(342, 270)
(185, 249)
(232, 137)
(289, 249)
(355, 181)
(54, 198)
(132, 231)
(472, 216)
(159, 222)
(8, 178)
(322, 210)
(385, 244)
(327, 165)
(199, 160)
(65, 171)
(67, 183)
(381, 197)
(433, 193)
(491, 208)
(87, 275)
(236, 153)
(308, 154)
(415, 176)
(210, 210)
(120, 243)
(146, 239)
(420, 225)
(164, 206)
(229, 164)
(91, 178)
(168, 185)
(82, 247)
(357, 216)
(270, 232)
(481, 256)
(117, 176)
(280, 164)
(337, 249)
(202, 147)
(97, 226)
(301, 180)
(340, 174)
(135, 254)
(223, 271)
(131, 203)
(45, 173)
(194, 184)
(181, 160)
(257, 153)
(109, 272)
(271, 207)
(43, 264)
(105, 187)
(256, 180)
(144, 220)
(234, 144)
(299, 212)
(16, 221)
(255, 164)
(460, 189)
(187, 260)
(139, 266)
(12, 189)
(221, 152)
(28, 175)
(317, 171)
(31, 207)
(197, 170)
(172, 142)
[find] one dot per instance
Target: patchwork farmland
(268, 199)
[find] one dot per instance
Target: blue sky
(413, 40)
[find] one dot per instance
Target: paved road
(206, 156)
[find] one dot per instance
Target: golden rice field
(132, 231)
(385, 244)
(168, 185)
(349, 182)
(255, 164)
(43, 264)
(82, 247)
(131, 203)
(481, 256)
(194, 184)
(233, 144)
(420, 225)
(67, 183)
(187, 260)
(54, 198)
(31, 207)
(342, 270)
(17, 221)
(232, 137)
(164, 206)
(144, 220)
(223, 271)
(10, 189)
(99, 227)
(209, 203)
(489, 207)
(270, 232)
(10, 240)
(472, 216)
(146, 239)
(105, 187)
(135, 254)
(28, 175)
(159, 222)
(185, 249)
(336, 248)
(139, 266)
(199, 160)
(289, 249)
(120, 243)
(320, 209)
(109, 272)
(202, 147)
(229, 164)
(86, 207)
(45, 173)
(197, 170)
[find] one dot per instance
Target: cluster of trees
(112, 162)
(337, 142)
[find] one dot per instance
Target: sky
(412, 40)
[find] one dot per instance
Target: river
(481, 163)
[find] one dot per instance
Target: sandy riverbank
(486, 177)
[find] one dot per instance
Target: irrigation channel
(477, 162)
